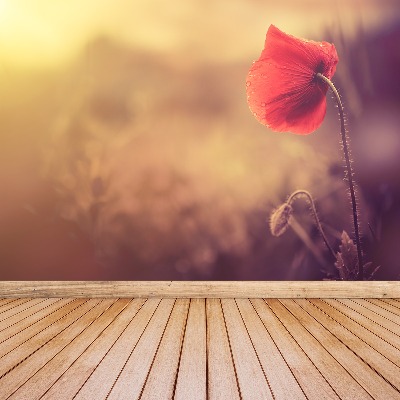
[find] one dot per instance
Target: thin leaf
(346, 258)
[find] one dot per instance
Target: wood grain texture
(4, 302)
(314, 385)
(200, 349)
(135, 371)
(282, 381)
(365, 354)
(200, 289)
(381, 327)
(24, 369)
(73, 379)
(336, 376)
(11, 304)
(221, 376)
(252, 380)
(369, 335)
(28, 338)
(161, 380)
(35, 320)
(20, 308)
(43, 379)
(384, 308)
(392, 305)
(376, 313)
(101, 381)
(192, 377)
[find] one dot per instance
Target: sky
(48, 33)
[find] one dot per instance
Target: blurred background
(128, 152)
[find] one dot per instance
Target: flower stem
(299, 193)
(349, 172)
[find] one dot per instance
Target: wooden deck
(108, 348)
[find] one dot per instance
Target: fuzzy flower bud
(280, 219)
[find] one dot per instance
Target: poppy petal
(282, 91)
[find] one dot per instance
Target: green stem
(349, 172)
(314, 211)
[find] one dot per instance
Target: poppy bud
(280, 219)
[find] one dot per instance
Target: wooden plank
(192, 375)
(160, 383)
(133, 376)
(337, 348)
(378, 315)
(24, 370)
(283, 383)
(25, 335)
(383, 322)
(21, 332)
(5, 301)
(68, 384)
(100, 382)
(221, 377)
(374, 384)
(381, 346)
(27, 311)
(253, 383)
(19, 308)
(384, 308)
(368, 323)
(389, 371)
(393, 302)
(23, 351)
(9, 305)
(344, 385)
(313, 384)
(45, 377)
(201, 289)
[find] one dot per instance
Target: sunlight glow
(42, 33)
(45, 33)
(26, 37)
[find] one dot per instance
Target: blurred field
(127, 150)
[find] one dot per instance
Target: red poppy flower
(282, 90)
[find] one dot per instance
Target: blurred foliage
(130, 163)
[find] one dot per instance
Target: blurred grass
(128, 162)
